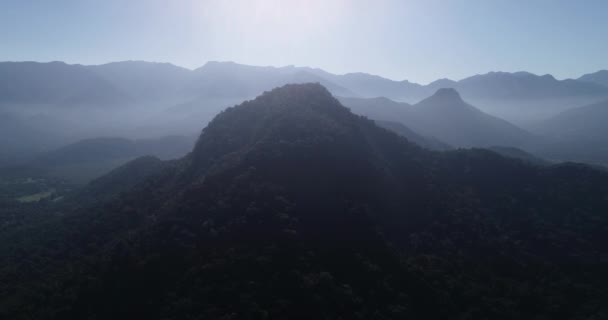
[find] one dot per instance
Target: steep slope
(291, 207)
(600, 77)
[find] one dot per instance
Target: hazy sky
(418, 40)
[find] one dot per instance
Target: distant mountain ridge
(55, 83)
(146, 80)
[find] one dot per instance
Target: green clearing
(36, 196)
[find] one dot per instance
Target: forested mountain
(292, 207)
(446, 117)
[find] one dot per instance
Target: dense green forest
(292, 207)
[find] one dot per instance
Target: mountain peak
(447, 94)
(287, 112)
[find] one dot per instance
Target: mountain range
(444, 116)
(137, 81)
(48, 105)
(290, 206)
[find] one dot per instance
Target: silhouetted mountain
(292, 207)
(600, 77)
(446, 117)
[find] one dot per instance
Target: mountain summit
(446, 95)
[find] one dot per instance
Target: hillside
(291, 207)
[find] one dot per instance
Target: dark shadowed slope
(291, 207)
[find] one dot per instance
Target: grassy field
(36, 196)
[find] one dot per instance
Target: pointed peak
(447, 93)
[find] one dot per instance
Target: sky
(415, 40)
